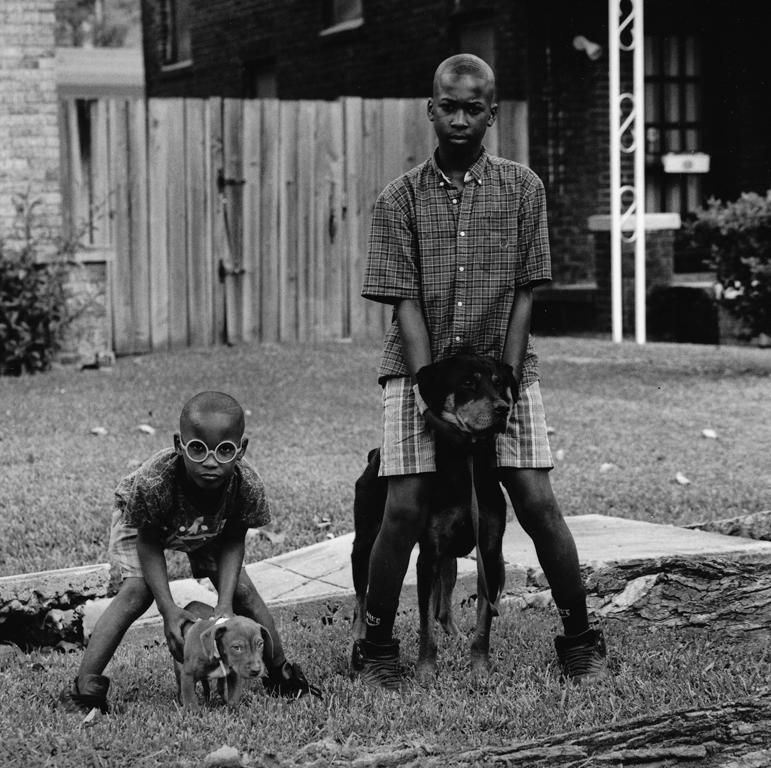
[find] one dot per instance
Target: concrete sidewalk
(321, 573)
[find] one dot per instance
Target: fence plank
(514, 144)
(252, 170)
(232, 138)
(354, 235)
(159, 140)
(306, 187)
(217, 245)
(372, 173)
(177, 226)
(287, 235)
(122, 278)
(138, 225)
(269, 217)
(101, 234)
(197, 246)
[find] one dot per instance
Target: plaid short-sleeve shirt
(461, 254)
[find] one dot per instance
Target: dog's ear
(267, 643)
(210, 637)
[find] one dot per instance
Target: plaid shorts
(122, 551)
(408, 444)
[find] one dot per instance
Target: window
(339, 15)
(673, 119)
(176, 23)
(259, 80)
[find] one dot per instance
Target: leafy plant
(737, 236)
(33, 304)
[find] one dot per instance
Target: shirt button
(460, 269)
(460, 303)
(182, 529)
(463, 234)
(454, 201)
(204, 527)
(457, 338)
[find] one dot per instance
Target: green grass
(315, 412)
(522, 698)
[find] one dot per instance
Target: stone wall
(29, 130)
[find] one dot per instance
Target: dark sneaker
(90, 695)
(288, 680)
(582, 657)
(377, 664)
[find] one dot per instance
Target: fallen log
(731, 735)
(46, 607)
(756, 525)
(733, 596)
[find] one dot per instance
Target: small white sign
(685, 162)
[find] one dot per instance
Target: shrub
(32, 300)
(737, 236)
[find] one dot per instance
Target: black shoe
(288, 680)
(377, 664)
(92, 695)
(582, 657)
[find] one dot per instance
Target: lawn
(626, 420)
(314, 411)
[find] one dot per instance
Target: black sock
(378, 630)
(575, 618)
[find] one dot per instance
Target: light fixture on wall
(592, 50)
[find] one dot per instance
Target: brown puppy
(471, 392)
(228, 650)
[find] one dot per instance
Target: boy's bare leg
(133, 599)
(539, 515)
(404, 519)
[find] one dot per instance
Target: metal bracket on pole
(627, 129)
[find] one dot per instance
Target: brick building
(29, 130)
(706, 83)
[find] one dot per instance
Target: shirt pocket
(498, 258)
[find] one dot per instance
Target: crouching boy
(198, 497)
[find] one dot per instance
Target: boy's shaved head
(465, 64)
(211, 402)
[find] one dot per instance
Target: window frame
(170, 36)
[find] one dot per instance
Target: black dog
(473, 393)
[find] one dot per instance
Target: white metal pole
(639, 173)
(615, 172)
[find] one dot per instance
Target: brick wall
(29, 132)
(393, 54)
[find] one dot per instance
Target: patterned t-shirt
(462, 255)
(153, 495)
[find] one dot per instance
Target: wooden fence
(233, 220)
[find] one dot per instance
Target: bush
(32, 299)
(737, 236)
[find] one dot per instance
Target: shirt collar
(474, 173)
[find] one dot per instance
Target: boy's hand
(445, 431)
(174, 620)
(511, 382)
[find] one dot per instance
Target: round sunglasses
(197, 451)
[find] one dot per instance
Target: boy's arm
(413, 332)
(231, 560)
(416, 349)
(153, 563)
(515, 346)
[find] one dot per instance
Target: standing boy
(457, 245)
(198, 497)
